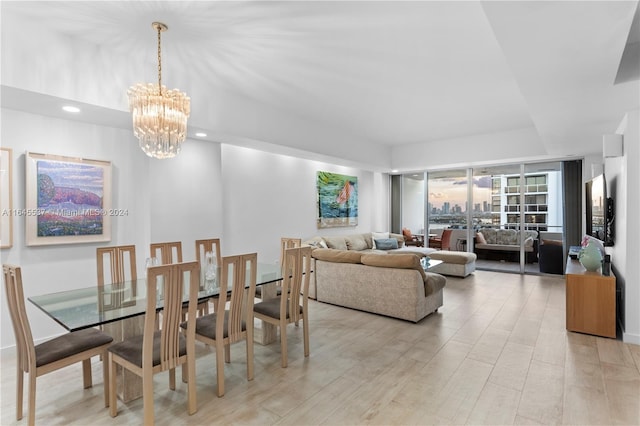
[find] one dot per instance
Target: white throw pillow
(378, 236)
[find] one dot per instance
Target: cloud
(483, 182)
(436, 195)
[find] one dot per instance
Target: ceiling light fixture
(70, 108)
(159, 115)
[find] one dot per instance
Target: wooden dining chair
(285, 243)
(121, 261)
(52, 355)
(292, 304)
(167, 253)
(202, 247)
(235, 323)
(165, 349)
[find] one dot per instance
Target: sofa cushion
(552, 242)
(337, 256)
(401, 261)
(386, 244)
(338, 243)
(356, 242)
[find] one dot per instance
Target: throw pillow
(337, 243)
(407, 233)
(480, 238)
(378, 236)
(356, 242)
(386, 243)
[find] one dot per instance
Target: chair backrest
(296, 277)
(120, 260)
(212, 245)
(287, 243)
(176, 280)
(167, 253)
(236, 273)
(19, 320)
(446, 239)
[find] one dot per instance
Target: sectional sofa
(393, 285)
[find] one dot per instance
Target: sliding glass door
(510, 215)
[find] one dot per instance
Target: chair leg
(185, 373)
(192, 401)
(31, 413)
(113, 387)
(227, 353)
(86, 373)
(172, 378)
(283, 343)
(220, 366)
(105, 377)
(305, 330)
(147, 397)
(19, 390)
(249, 356)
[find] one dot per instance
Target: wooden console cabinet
(591, 301)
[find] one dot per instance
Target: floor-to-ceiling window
(516, 207)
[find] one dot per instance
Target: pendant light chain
(159, 62)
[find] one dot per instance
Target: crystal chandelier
(159, 115)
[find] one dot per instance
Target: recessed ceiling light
(201, 134)
(394, 171)
(70, 108)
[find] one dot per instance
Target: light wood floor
(497, 352)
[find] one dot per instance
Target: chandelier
(159, 115)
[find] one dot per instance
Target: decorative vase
(210, 269)
(590, 257)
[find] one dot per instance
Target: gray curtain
(572, 198)
(396, 204)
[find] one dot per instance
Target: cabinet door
(591, 304)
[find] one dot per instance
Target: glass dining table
(119, 309)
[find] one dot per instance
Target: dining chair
(285, 243)
(202, 248)
(117, 258)
(167, 253)
(52, 355)
(120, 262)
(165, 349)
(292, 304)
(235, 323)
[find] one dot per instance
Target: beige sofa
(392, 285)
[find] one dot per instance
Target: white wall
(623, 181)
(269, 196)
(63, 267)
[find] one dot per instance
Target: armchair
(411, 239)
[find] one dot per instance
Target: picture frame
(68, 200)
(337, 200)
(6, 198)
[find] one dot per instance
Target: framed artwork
(337, 200)
(68, 200)
(6, 198)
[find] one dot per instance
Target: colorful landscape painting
(337, 200)
(69, 198)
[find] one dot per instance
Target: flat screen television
(599, 210)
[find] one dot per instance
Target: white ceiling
(345, 79)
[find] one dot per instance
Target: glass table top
(92, 306)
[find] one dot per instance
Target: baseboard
(631, 338)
